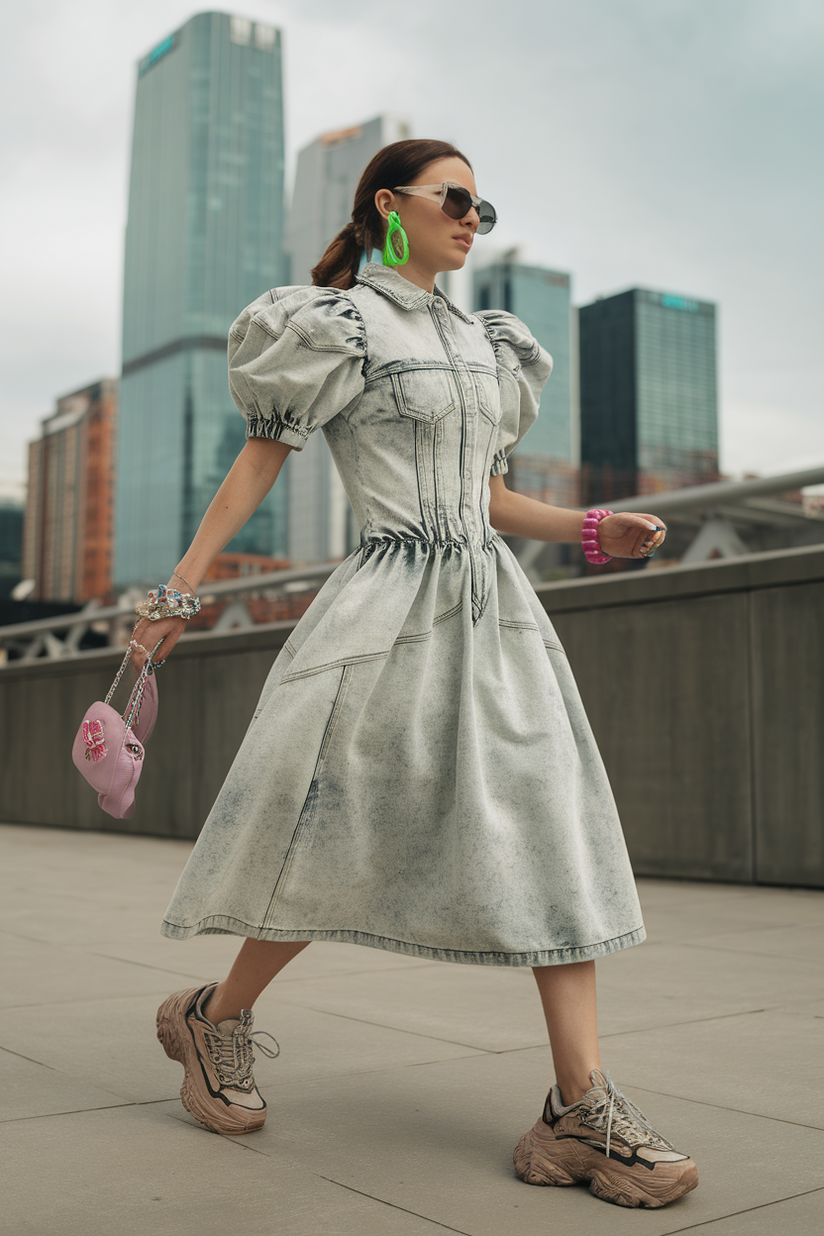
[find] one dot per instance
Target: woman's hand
(629, 535)
(146, 634)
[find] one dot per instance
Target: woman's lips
(465, 241)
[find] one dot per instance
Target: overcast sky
(672, 144)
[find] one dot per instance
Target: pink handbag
(108, 748)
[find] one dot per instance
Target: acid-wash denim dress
(419, 774)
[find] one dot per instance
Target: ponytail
(397, 164)
(339, 265)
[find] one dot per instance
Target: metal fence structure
(717, 503)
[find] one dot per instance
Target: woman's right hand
(147, 633)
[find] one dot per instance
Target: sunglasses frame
(440, 193)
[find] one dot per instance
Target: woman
(419, 774)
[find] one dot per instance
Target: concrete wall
(703, 685)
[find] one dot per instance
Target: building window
(240, 30)
(265, 37)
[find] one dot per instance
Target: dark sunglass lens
(487, 216)
(458, 203)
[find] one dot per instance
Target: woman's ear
(385, 201)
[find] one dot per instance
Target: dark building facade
(204, 237)
(649, 402)
(11, 545)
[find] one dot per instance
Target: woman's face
(436, 242)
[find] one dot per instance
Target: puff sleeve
(523, 369)
(296, 359)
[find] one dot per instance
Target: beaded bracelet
(589, 536)
(167, 602)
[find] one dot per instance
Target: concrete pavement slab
(768, 1063)
(687, 892)
(487, 1007)
(209, 957)
(112, 1044)
(38, 972)
(135, 1172)
(733, 903)
(438, 1139)
(815, 1006)
(375, 1088)
(497, 1009)
(795, 1216)
(63, 917)
(665, 984)
(30, 1089)
(800, 942)
(88, 863)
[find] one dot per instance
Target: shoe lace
(615, 1112)
(232, 1054)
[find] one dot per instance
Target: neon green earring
(396, 246)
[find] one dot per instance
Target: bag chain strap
(132, 709)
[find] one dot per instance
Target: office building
(327, 176)
(545, 466)
(67, 542)
(322, 526)
(11, 544)
(649, 406)
(204, 238)
(541, 299)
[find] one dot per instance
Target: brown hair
(397, 164)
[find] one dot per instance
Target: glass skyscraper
(204, 238)
(545, 466)
(649, 404)
(322, 525)
(541, 299)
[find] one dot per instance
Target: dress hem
(221, 924)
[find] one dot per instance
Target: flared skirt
(418, 777)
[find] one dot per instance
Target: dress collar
(392, 285)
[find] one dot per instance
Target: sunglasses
(455, 201)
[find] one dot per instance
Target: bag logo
(94, 739)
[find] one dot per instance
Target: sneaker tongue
(599, 1084)
(226, 1028)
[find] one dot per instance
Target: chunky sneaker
(219, 1087)
(605, 1139)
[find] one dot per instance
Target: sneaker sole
(177, 1043)
(541, 1159)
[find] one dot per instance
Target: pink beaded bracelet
(589, 536)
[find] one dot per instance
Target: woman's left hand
(627, 534)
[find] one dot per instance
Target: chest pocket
(489, 396)
(425, 394)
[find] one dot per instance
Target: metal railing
(31, 641)
(41, 638)
(721, 493)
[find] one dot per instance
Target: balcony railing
(61, 636)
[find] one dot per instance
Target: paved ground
(403, 1085)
